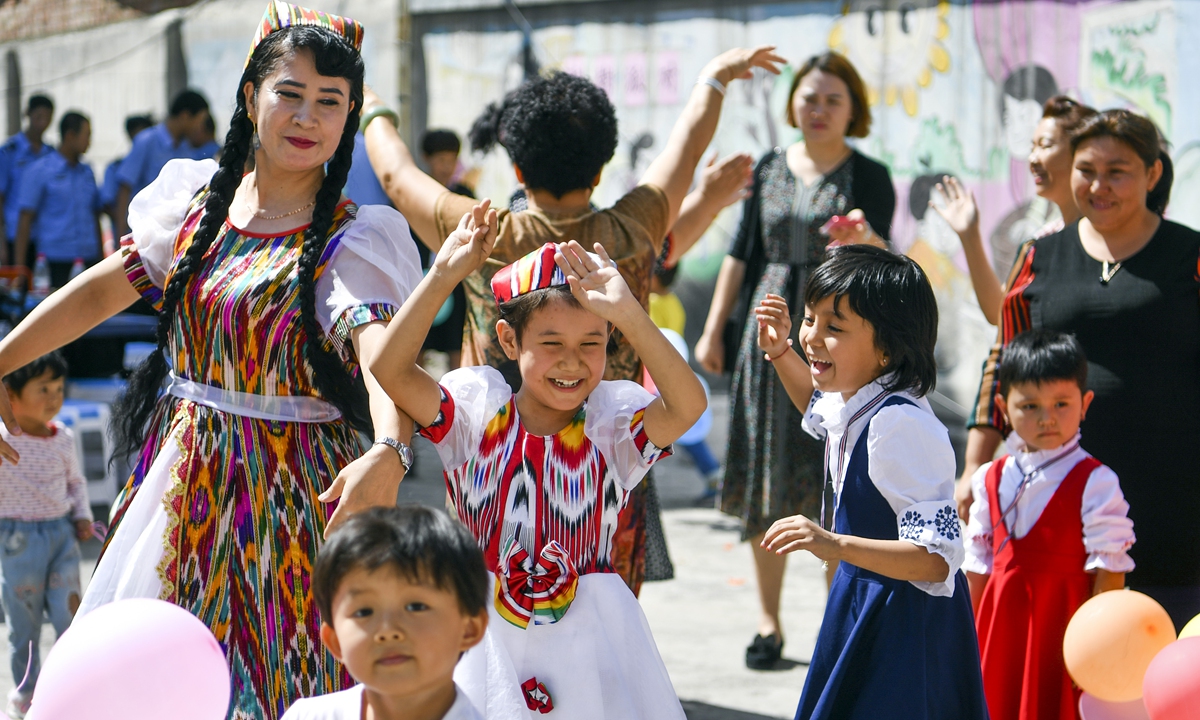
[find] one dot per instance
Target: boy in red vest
(1049, 529)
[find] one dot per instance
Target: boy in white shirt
(403, 593)
(1049, 529)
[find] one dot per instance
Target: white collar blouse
(1107, 528)
(910, 461)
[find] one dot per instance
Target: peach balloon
(1111, 640)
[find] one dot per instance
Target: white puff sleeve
(912, 465)
(977, 538)
(156, 215)
(471, 397)
(373, 270)
(1107, 528)
(614, 424)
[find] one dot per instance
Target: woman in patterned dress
(772, 469)
(269, 287)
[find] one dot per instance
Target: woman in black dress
(1126, 283)
(773, 469)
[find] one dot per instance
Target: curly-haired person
(560, 131)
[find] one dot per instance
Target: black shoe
(764, 652)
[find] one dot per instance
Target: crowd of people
(299, 276)
(52, 202)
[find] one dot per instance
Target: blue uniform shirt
(66, 201)
(362, 186)
(206, 151)
(108, 189)
(152, 148)
(15, 155)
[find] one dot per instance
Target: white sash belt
(280, 408)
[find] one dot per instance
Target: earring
(255, 143)
(885, 361)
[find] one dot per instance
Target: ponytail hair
(334, 57)
(485, 131)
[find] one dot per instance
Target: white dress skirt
(613, 670)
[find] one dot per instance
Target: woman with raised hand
(270, 286)
(817, 191)
(1050, 161)
(560, 131)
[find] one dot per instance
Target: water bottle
(76, 269)
(41, 277)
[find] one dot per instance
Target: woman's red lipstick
(302, 143)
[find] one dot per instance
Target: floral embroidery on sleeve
(911, 526)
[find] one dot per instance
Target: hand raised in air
(470, 244)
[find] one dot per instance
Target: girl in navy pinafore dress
(898, 637)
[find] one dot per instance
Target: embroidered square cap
(535, 271)
(280, 15)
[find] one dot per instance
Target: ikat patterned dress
(566, 632)
(221, 514)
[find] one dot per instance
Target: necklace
(1107, 272)
(258, 213)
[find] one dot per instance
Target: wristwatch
(405, 452)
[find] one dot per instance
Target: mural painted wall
(956, 88)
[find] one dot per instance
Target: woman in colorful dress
(270, 286)
(772, 468)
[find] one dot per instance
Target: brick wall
(24, 19)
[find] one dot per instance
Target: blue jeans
(702, 457)
(39, 568)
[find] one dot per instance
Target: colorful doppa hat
(535, 271)
(280, 15)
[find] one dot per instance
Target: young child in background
(540, 476)
(44, 512)
(402, 593)
(1049, 529)
(668, 314)
(896, 640)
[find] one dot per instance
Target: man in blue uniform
(15, 156)
(60, 204)
(134, 125)
(168, 140)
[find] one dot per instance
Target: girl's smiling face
(561, 353)
(840, 346)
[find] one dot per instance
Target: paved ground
(704, 618)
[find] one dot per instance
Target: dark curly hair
(334, 57)
(559, 129)
(892, 293)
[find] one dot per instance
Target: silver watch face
(405, 452)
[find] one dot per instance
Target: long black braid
(334, 58)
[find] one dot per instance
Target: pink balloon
(1171, 688)
(1093, 708)
(134, 660)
